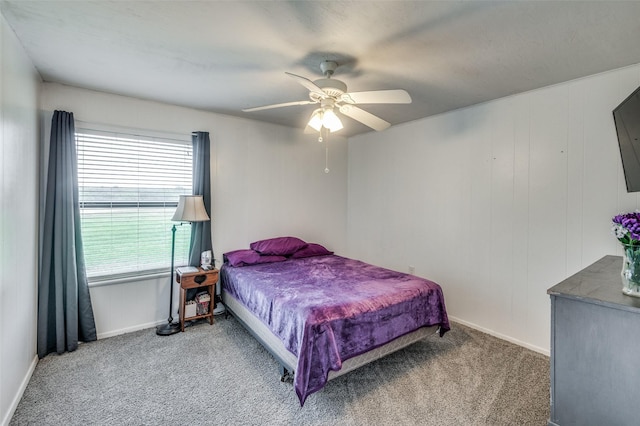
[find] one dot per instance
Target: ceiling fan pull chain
(324, 134)
(326, 154)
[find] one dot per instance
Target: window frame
(147, 136)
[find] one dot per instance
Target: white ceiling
(224, 56)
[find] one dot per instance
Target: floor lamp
(190, 209)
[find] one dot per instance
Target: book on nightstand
(186, 270)
(190, 309)
(202, 303)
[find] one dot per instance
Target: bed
(324, 315)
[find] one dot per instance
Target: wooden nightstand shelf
(204, 280)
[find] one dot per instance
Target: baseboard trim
(130, 329)
(501, 336)
(21, 389)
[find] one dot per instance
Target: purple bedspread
(327, 309)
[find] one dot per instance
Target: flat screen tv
(627, 119)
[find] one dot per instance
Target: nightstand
(202, 280)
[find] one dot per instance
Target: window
(129, 187)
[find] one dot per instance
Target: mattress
(326, 310)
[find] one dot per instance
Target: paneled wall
(496, 202)
(267, 181)
(19, 87)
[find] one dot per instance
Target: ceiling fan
(332, 96)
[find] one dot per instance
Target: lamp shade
(331, 121)
(316, 120)
(190, 209)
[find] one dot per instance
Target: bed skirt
(289, 361)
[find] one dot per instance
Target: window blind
(129, 186)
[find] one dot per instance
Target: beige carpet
(214, 375)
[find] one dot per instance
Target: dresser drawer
(197, 279)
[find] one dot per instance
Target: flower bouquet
(626, 228)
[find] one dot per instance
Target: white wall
(267, 181)
(496, 202)
(19, 87)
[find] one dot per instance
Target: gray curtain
(201, 231)
(65, 315)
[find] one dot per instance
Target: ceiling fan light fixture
(326, 118)
(331, 121)
(316, 120)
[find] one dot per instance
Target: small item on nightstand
(202, 299)
(186, 270)
(206, 259)
(190, 309)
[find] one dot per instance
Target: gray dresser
(595, 349)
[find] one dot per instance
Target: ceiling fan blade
(366, 118)
(397, 96)
(286, 104)
(306, 83)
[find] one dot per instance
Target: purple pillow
(311, 250)
(281, 246)
(249, 257)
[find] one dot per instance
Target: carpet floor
(214, 375)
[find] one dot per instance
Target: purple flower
(626, 227)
